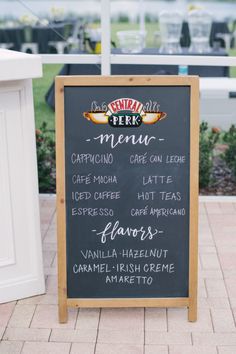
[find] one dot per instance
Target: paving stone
(210, 274)
(228, 208)
(233, 302)
(213, 208)
(6, 311)
(50, 236)
(216, 288)
(202, 209)
(74, 335)
(227, 350)
(214, 339)
(45, 348)
(49, 246)
(205, 237)
(207, 249)
(202, 288)
(225, 239)
(156, 349)
(223, 320)
(82, 348)
(231, 286)
(204, 224)
(54, 263)
(214, 303)
(50, 299)
(122, 318)
(203, 220)
(178, 321)
(51, 284)
(48, 258)
(125, 336)
(2, 329)
(210, 261)
(234, 313)
(34, 300)
(165, 338)
(118, 349)
(27, 334)
(10, 347)
(41, 201)
(189, 349)
(46, 219)
(46, 316)
(229, 273)
(228, 259)
(50, 271)
(88, 318)
(224, 221)
(155, 319)
(227, 249)
(22, 316)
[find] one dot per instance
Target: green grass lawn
(43, 113)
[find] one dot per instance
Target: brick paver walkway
(30, 326)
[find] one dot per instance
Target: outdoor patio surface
(30, 326)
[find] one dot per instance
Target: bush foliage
(46, 160)
(230, 154)
(207, 142)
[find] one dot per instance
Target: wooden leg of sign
(192, 310)
(62, 311)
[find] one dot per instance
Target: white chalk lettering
(156, 180)
(126, 279)
(91, 268)
(158, 267)
(146, 195)
(106, 159)
(92, 212)
(167, 212)
(106, 195)
(175, 159)
(128, 268)
(99, 254)
(152, 253)
(138, 159)
(111, 231)
(88, 179)
(139, 212)
(156, 159)
(170, 196)
(114, 140)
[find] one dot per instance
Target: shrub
(207, 142)
(46, 160)
(230, 153)
(123, 18)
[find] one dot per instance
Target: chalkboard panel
(127, 191)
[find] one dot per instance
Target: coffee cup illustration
(97, 117)
(153, 117)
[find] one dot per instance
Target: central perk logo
(125, 112)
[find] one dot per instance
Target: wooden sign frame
(191, 301)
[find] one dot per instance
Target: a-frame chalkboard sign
(127, 191)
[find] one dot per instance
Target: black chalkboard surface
(127, 191)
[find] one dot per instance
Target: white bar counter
(21, 266)
(218, 101)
